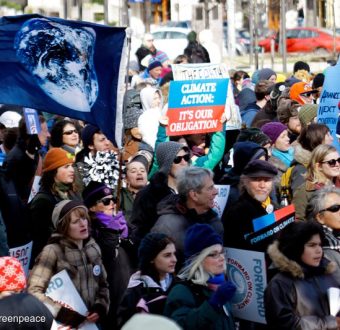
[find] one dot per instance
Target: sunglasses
(71, 131)
(178, 159)
(107, 200)
(334, 208)
(332, 162)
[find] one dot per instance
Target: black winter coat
(238, 221)
(296, 298)
(144, 210)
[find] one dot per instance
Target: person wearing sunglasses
(193, 204)
(323, 170)
(296, 297)
(109, 229)
(64, 134)
(324, 207)
(201, 300)
(171, 157)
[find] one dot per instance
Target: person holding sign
(71, 248)
(201, 300)
(296, 297)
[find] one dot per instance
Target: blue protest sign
(71, 68)
(328, 111)
(32, 121)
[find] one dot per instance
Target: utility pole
(231, 28)
(106, 12)
(80, 10)
(206, 14)
(65, 9)
(283, 36)
(256, 46)
(251, 32)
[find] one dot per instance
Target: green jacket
(188, 305)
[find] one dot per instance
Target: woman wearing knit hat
(323, 169)
(297, 296)
(148, 287)
(57, 183)
(201, 300)
(282, 154)
(110, 231)
(71, 248)
(310, 137)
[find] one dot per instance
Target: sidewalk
(242, 63)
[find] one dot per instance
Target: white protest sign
(194, 71)
(221, 198)
(246, 269)
(35, 187)
(23, 253)
(62, 290)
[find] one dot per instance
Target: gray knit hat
(63, 208)
(166, 153)
(307, 113)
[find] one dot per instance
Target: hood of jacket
(301, 155)
(287, 265)
(137, 279)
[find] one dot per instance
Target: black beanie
(149, 247)
(95, 191)
(300, 65)
(318, 80)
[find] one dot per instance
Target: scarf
(285, 156)
(332, 239)
(63, 189)
(117, 222)
(215, 281)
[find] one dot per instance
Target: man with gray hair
(256, 184)
(193, 204)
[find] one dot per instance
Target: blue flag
(75, 69)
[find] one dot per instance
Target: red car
(305, 40)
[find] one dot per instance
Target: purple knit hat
(273, 130)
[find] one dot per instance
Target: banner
(211, 71)
(61, 289)
(328, 110)
(71, 68)
(196, 106)
(270, 224)
(247, 270)
(221, 198)
(23, 253)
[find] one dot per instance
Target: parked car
(171, 40)
(305, 40)
(242, 36)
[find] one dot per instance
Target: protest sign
(61, 289)
(23, 253)
(71, 68)
(221, 198)
(211, 71)
(196, 106)
(328, 110)
(270, 224)
(32, 121)
(247, 270)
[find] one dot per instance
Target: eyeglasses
(71, 131)
(107, 200)
(216, 255)
(334, 208)
(332, 162)
(178, 159)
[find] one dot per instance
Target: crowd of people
(136, 229)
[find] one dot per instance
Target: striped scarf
(332, 239)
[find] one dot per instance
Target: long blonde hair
(194, 270)
(318, 155)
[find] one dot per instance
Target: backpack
(197, 55)
(132, 108)
(285, 189)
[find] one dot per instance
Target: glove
(222, 295)
(69, 317)
(99, 309)
(33, 144)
